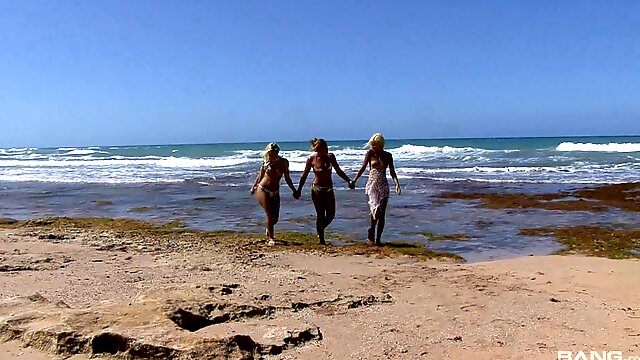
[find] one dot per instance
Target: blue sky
(152, 72)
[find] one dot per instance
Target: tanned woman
(267, 186)
(377, 188)
(322, 162)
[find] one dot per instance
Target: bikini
(317, 188)
(269, 192)
(267, 166)
(324, 167)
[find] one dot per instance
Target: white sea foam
(76, 178)
(447, 163)
(412, 150)
(351, 156)
(169, 162)
(568, 169)
(535, 181)
(73, 152)
(488, 169)
(13, 151)
(610, 147)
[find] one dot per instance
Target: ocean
(206, 186)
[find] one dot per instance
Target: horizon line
(341, 140)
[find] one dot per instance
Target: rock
(226, 291)
(189, 321)
(369, 300)
(202, 330)
(8, 221)
(52, 237)
(109, 343)
(48, 259)
(10, 268)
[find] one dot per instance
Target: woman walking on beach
(377, 188)
(268, 182)
(322, 194)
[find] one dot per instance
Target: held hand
(296, 194)
(252, 190)
(398, 190)
(352, 184)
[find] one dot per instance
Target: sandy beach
(80, 291)
(341, 180)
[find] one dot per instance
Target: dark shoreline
(477, 222)
(160, 236)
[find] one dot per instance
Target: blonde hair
(272, 146)
(317, 144)
(377, 138)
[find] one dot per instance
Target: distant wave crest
(610, 147)
(168, 162)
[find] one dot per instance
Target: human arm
(366, 160)
(287, 177)
(334, 163)
(305, 173)
(392, 172)
(258, 178)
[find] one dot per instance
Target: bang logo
(594, 355)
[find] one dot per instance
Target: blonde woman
(377, 188)
(322, 195)
(268, 183)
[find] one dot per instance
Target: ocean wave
(13, 151)
(566, 169)
(169, 162)
(404, 152)
(74, 152)
(591, 147)
(593, 181)
(53, 178)
(408, 149)
(490, 170)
